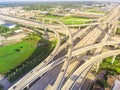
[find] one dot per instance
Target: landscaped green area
(74, 20)
(117, 31)
(15, 54)
(17, 59)
(52, 16)
(111, 68)
(4, 31)
(1, 87)
(69, 20)
(95, 12)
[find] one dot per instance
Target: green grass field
(95, 12)
(74, 20)
(69, 20)
(19, 58)
(15, 54)
(52, 16)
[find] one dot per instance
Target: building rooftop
(8, 24)
(116, 85)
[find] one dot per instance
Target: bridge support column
(43, 21)
(113, 59)
(114, 32)
(61, 26)
(78, 58)
(91, 22)
(46, 33)
(79, 27)
(97, 66)
(27, 87)
(50, 21)
(26, 26)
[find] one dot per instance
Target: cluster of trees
(102, 83)
(118, 31)
(1, 87)
(4, 29)
(46, 5)
(112, 69)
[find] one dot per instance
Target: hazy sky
(57, 0)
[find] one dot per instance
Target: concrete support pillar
(27, 87)
(101, 21)
(78, 58)
(26, 26)
(61, 26)
(55, 35)
(45, 29)
(43, 21)
(97, 66)
(107, 25)
(114, 32)
(101, 61)
(91, 27)
(113, 59)
(79, 27)
(91, 22)
(45, 33)
(50, 21)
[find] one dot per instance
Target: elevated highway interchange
(91, 38)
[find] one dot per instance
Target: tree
(3, 29)
(102, 83)
(17, 50)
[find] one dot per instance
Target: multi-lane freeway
(70, 54)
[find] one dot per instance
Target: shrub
(102, 83)
(1, 87)
(17, 50)
(111, 72)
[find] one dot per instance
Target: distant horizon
(56, 0)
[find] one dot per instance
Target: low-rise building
(9, 25)
(18, 31)
(116, 85)
(44, 12)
